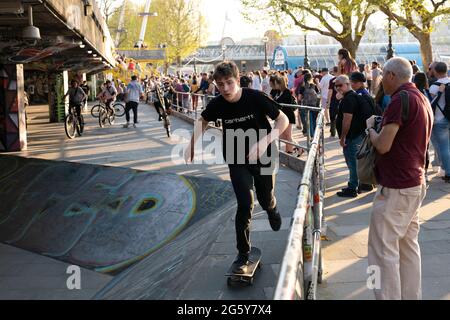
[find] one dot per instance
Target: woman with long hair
(421, 82)
(347, 64)
(284, 96)
(257, 81)
(194, 89)
(381, 99)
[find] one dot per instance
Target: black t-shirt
(246, 121)
(350, 104)
(334, 103)
(286, 98)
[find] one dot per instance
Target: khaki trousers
(394, 244)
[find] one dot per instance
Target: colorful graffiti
(97, 217)
(12, 117)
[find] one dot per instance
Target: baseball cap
(358, 77)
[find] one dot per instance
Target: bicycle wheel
(102, 115)
(95, 110)
(80, 125)
(167, 125)
(119, 110)
(70, 124)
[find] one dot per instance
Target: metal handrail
(308, 109)
(293, 273)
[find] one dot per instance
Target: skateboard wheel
(229, 282)
(260, 265)
(250, 281)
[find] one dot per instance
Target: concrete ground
(345, 255)
(148, 148)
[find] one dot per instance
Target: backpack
(310, 96)
(366, 155)
(446, 108)
(368, 107)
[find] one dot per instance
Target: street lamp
(390, 51)
(266, 62)
(306, 60)
(224, 47)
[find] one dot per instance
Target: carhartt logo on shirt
(239, 120)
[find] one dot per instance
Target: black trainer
(446, 179)
(274, 219)
(348, 193)
(240, 266)
(365, 188)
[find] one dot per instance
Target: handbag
(367, 154)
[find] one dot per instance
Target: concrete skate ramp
(103, 218)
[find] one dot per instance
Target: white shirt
(266, 85)
(256, 83)
(434, 89)
(325, 85)
(134, 91)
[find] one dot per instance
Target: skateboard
(247, 278)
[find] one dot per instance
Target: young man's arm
(281, 124)
(200, 127)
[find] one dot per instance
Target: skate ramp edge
(106, 218)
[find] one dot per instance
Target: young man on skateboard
(244, 115)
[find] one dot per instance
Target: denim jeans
(313, 122)
(441, 141)
(350, 151)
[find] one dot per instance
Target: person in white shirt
(265, 84)
(134, 94)
(108, 94)
(440, 137)
(257, 79)
(324, 86)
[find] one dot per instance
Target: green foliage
(179, 24)
(344, 21)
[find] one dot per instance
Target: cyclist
(108, 95)
(76, 97)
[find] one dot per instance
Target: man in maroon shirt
(401, 145)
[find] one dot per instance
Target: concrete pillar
(13, 130)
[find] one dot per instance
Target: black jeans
(243, 178)
(132, 105)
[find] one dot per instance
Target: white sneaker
(440, 173)
(134, 125)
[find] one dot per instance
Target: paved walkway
(345, 255)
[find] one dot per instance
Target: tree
(108, 7)
(275, 40)
(344, 21)
(179, 25)
(418, 16)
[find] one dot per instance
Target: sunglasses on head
(339, 85)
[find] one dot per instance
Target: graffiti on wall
(98, 217)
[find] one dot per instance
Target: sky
(237, 29)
